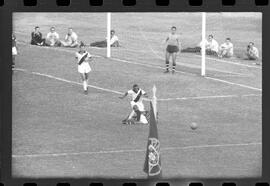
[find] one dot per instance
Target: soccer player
(83, 57)
(140, 117)
(211, 47)
(36, 37)
(136, 104)
(252, 52)
(52, 38)
(71, 39)
(172, 49)
(14, 49)
(226, 49)
(114, 41)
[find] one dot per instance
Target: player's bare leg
(13, 63)
(167, 61)
(174, 55)
(84, 76)
(86, 82)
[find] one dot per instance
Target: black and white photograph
(137, 95)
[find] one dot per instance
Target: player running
(138, 112)
(173, 46)
(84, 68)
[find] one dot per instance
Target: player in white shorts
(136, 103)
(83, 57)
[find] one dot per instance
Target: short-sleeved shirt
(71, 38)
(228, 47)
(254, 51)
(136, 97)
(212, 45)
(52, 36)
(113, 39)
(82, 57)
(173, 39)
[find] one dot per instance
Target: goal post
(108, 34)
(203, 44)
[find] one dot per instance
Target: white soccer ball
(193, 126)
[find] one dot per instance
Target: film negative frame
(10, 6)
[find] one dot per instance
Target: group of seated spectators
(71, 39)
(224, 50)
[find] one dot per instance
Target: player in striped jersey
(138, 112)
(83, 57)
(173, 45)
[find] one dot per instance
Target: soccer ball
(193, 126)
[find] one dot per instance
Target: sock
(84, 85)
(173, 67)
(167, 65)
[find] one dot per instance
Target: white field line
(68, 81)
(230, 62)
(131, 150)
(209, 97)
(209, 58)
(146, 99)
(153, 66)
(188, 65)
(231, 83)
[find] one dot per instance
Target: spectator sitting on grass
(52, 38)
(226, 49)
(114, 42)
(71, 39)
(211, 47)
(252, 52)
(36, 37)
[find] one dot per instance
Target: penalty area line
(131, 150)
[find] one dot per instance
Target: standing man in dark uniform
(173, 45)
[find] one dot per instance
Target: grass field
(58, 131)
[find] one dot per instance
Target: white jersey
(113, 39)
(71, 38)
(228, 47)
(82, 57)
(212, 45)
(82, 60)
(52, 37)
(136, 97)
(254, 51)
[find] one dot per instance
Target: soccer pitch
(57, 131)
